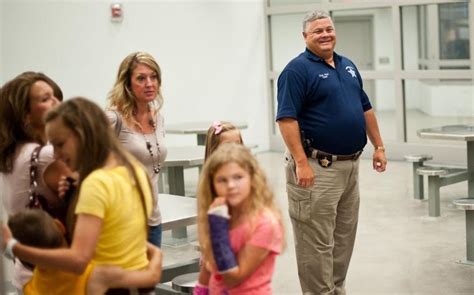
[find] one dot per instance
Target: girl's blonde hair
(260, 198)
(213, 136)
(121, 97)
(97, 140)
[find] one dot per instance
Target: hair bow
(217, 127)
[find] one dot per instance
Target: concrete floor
(399, 249)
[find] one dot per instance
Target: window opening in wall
(444, 36)
(454, 32)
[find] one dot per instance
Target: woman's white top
(15, 192)
(134, 142)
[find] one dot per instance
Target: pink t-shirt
(265, 233)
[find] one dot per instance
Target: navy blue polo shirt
(328, 103)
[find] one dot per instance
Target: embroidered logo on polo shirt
(324, 76)
(351, 71)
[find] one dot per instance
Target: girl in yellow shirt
(107, 218)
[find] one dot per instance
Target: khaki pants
(324, 219)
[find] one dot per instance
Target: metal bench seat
(467, 204)
(438, 177)
(174, 271)
(417, 162)
(464, 204)
(418, 158)
(185, 283)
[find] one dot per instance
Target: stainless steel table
(177, 211)
(199, 128)
(460, 133)
(177, 160)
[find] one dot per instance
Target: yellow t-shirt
(54, 282)
(109, 194)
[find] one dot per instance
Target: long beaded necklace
(149, 147)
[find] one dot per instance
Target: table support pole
(470, 169)
(418, 182)
(176, 187)
(470, 235)
(470, 213)
(201, 139)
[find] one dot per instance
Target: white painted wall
(447, 99)
(413, 89)
(287, 39)
(212, 53)
(383, 41)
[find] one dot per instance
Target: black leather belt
(326, 159)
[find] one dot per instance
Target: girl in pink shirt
(240, 227)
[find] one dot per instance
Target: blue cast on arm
(219, 232)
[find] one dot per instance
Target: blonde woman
(134, 105)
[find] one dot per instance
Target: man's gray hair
(314, 15)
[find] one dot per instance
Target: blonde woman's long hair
(260, 199)
(121, 97)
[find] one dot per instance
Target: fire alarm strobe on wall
(116, 12)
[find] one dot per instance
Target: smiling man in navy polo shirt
(324, 117)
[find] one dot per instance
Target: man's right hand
(290, 132)
(304, 175)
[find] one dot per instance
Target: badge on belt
(324, 162)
